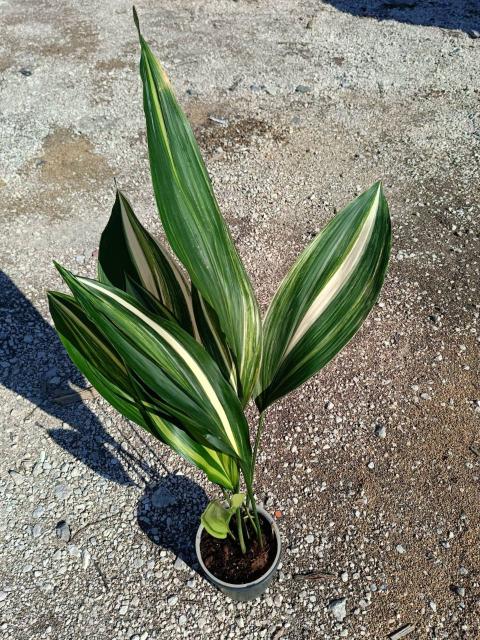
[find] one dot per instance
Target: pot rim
(243, 585)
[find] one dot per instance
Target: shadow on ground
(448, 14)
(169, 512)
(34, 364)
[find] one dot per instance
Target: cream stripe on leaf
(212, 337)
(188, 385)
(193, 224)
(325, 297)
(103, 368)
(128, 252)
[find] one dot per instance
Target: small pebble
(338, 609)
(303, 88)
(162, 498)
(38, 511)
(380, 431)
(309, 539)
(61, 491)
(74, 551)
(400, 549)
(63, 531)
(37, 469)
(172, 601)
(180, 565)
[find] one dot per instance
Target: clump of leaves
(182, 356)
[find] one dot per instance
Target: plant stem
(240, 531)
(255, 514)
(261, 423)
(249, 515)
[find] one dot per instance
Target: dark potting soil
(225, 559)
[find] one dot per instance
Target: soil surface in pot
(225, 559)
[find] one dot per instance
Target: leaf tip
(379, 186)
(136, 20)
(58, 266)
(65, 273)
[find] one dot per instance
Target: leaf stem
(258, 435)
(240, 531)
(255, 514)
(249, 516)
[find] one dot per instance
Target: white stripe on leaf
(138, 255)
(341, 275)
(181, 351)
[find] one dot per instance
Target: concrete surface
(319, 100)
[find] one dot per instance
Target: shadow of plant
(34, 365)
(169, 513)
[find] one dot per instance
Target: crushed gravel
(373, 467)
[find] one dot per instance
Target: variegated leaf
(104, 369)
(326, 296)
(193, 224)
(128, 253)
(212, 337)
(92, 354)
(189, 387)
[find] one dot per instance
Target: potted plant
(182, 351)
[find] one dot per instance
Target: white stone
(339, 609)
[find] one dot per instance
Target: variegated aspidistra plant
(181, 352)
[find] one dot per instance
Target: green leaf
(216, 518)
(326, 296)
(188, 385)
(129, 255)
(93, 355)
(213, 338)
(193, 224)
(104, 369)
(146, 300)
(236, 501)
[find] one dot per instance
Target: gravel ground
(375, 463)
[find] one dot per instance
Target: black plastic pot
(249, 590)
